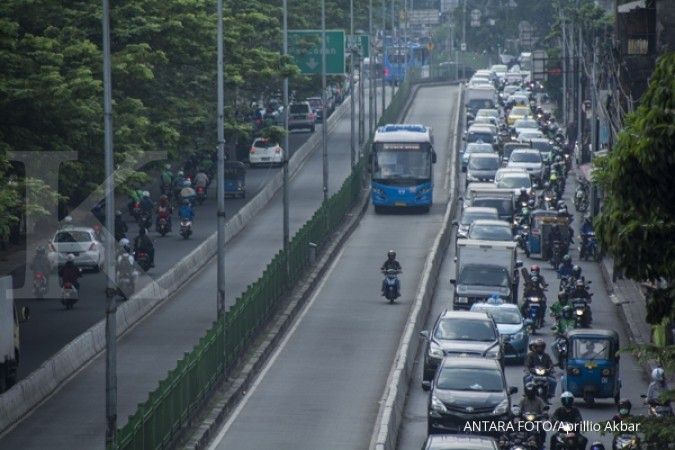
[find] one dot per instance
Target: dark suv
(460, 333)
(468, 391)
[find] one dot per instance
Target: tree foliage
(637, 222)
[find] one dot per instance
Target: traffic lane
(51, 326)
(413, 431)
(346, 339)
(151, 349)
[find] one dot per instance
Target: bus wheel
(378, 210)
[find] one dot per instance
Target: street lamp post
(384, 52)
(220, 189)
(371, 68)
(351, 85)
(286, 219)
(324, 119)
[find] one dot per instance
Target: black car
(467, 394)
(482, 167)
(460, 333)
(459, 442)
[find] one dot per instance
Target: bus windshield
(405, 161)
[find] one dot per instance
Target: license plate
(462, 300)
(264, 159)
(400, 204)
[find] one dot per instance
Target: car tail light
(92, 247)
(252, 150)
(67, 285)
(277, 150)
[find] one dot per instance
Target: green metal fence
(157, 421)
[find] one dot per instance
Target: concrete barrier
(41, 383)
(388, 423)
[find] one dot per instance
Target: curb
(392, 405)
(43, 382)
(224, 402)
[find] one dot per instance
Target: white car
(529, 160)
(265, 152)
(525, 125)
(525, 136)
(516, 181)
(82, 242)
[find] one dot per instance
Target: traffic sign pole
(352, 95)
(324, 119)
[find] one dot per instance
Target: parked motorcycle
(391, 285)
(185, 228)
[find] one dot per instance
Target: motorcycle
(626, 442)
(560, 350)
(658, 409)
(185, 228)
(126, 282)
(534, 311)
(566, 438)
(39, 284)
(142, 259)
(589, 247)
(582, 317)
(522, 237)
(391, 285)
(69, 295)
(556, 254)
(539, 377)
(144, 220)
(201, 194)
(163, 226)
(581, 199)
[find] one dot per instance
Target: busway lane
(74, 416)
(605, 315)
(322, 386)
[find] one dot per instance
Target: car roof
(484, 155)
(480, 209)
(593, 332)
(502, 305)
(460, 442)
(525, 150)
(471, 362)
(518, 174)
(468, 315)
(67, 228)
(491, 222)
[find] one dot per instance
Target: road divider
(388, 423)
(44, 381)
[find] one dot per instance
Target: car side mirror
(426, 385)
(24, 314)
(453, 281)
(455, 223)
(513, 390)
(425, 334)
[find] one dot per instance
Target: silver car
(529, 160)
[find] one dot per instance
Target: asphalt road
(321, 388)
(51, 326)
(413, 431)
(74, 416)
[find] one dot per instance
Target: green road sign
(305, 48)
(361, 42)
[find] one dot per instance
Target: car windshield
(479, 148)
(477, 136)
(519, 111)
(490, 232)
(465, 330)
(470, 379)
(525, 157)
(504, 206)
(409, 162)
(481, 103)
(63, 237)
(526, 124)
(484, 163)
(262, 143)
(504, 316)
(468, 217)
(314, 102)
(514, 182)
(299, 109)
(487, 113)
(534, 134)
(589, 348)
(484, 276)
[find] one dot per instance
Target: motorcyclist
(40, 262)
(524, 197)
(120, 226)
(530, 403)
(186, 211)
(143, 243)
(580, 291)
(178, 183)
(571, 414)
(537, 357)
(147, 204)
(69, 273)
(565, 320)
(565, 268)
(163, 210)
(125, 261)
(657, 387)
(557, 307)
(584, 231)
(201, 179)
(390, 263)
(533, 288)
(134, 197)
(576, 273)
(536, 270)
(124, 246)
(624, 408)
(166, 179)
(187, 193)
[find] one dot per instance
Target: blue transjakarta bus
(395, 60)
(401, 167)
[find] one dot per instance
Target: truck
(480, 97)
(483, 269)
(488, 195)
(10, 351)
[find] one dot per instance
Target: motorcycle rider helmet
(70, 257)
(124, 242)
(146, 194)
(539, 344)
(68, 219)
(567, 399)
(567, 258)
(597, 446)
(391, 254)
(118, 213)
(167, 166)
(625, 406)
(558, 158)
(180, 173)
(576, 271)
(547, 185)
(187, 183)
(530, 391)
(553, 177)
(523, 190)
(163, 198)
(141, 231)
(534, 269)
(530, 204)
(567, 311)
(658, 374)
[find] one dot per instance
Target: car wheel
(430, 430)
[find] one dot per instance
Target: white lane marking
(219, 437)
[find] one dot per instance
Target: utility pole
(324, 119)
(394, 35)
(464, 40)
(362, 110)
(564, 67)
(111, 305)
(371, 69)
(405, 38)
(220, 189)
(580, 87)
(384, 52)
(286, 145)
(352, 95)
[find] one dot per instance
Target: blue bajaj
(235, 179)
(592, 365)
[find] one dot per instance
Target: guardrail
(169, 408)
